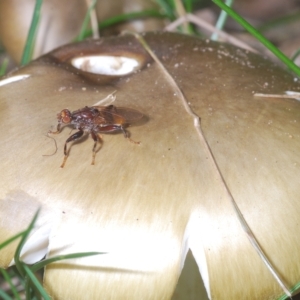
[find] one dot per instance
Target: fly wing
(129, 114)
(118, 115)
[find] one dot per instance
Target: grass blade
(293, 290)
(45, 262)
(296, 54)
(290, 64)
(188, 6)
(5, 243)
(167, 8)
(18, 263)
(86, 21)
(280, 21)
(4, 296)
(3, 67)
(12, 287)
(221, 20)
(28, 50)
(27, 289)
(36, 282)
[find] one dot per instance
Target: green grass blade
(10, 240)
(3, 67)
(295, 288)
(31, 292)
(28, 290)
(18, 263)
(4, 296)
(28, 50)
(45, 262)
(290, 64)
(188, 6)
(11, 285)
(168, 8)
(280, 21)
(36, 283)
(86, 22)
(297, 53)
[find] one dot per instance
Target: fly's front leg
(96, 139)
(57, 129)
(73, 137)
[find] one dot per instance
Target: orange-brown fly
(95, 120)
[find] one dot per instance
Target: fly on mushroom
(95, 120)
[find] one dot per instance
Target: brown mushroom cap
(145, 205)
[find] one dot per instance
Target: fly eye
(66, 119)
(65, 116)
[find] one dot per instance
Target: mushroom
(213, 159)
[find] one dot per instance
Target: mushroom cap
(146, 205)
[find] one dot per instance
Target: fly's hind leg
(73, 137)
(126, 135)
(97, 138)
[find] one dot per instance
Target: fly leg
(73, 137)
(113, 128)
(126, 135)
(96, 139)
(57, 129)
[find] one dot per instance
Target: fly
(96, 120)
